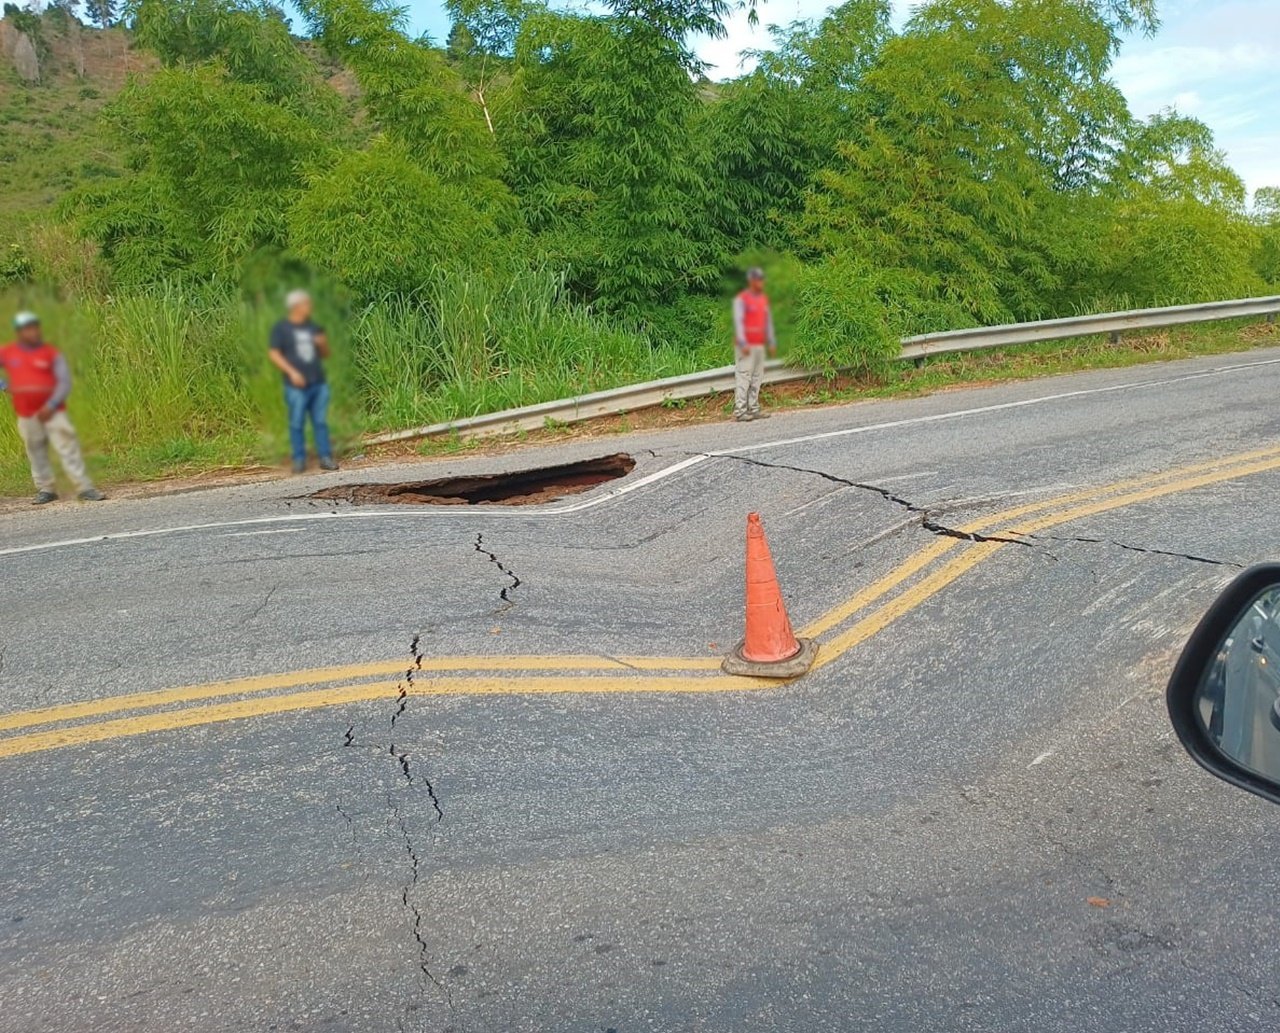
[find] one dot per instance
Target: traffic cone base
(769, 648)
(791, 667)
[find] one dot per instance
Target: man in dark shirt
(297, 347)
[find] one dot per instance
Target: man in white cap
(38, 382)
(297, 347)
(753, 335)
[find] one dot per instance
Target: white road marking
(907, 477)
(626, 489)
(813, 502)
(252, 534)
(982, 410)
(946, 505)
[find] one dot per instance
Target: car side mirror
(1224, 695)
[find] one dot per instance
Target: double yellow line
(924, 573)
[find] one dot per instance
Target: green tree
(491, 25)
(215, 165)
(759, 153)
(102, 13)
(955, 148)
(1178, 229)
(249, 38)
(765, 135)
(413, 96)
(383, 224)
(217, 142)
(460, 43)
(603, 160)
(1266, 211)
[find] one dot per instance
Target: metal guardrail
(717, 381)
(1085, 326)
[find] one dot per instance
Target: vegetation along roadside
(554, 202)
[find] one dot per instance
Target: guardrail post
(1115, 336)
(1271, 318)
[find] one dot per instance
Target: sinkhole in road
(514, 488)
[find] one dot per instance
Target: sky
(1217, 60)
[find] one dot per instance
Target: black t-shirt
(297, 343)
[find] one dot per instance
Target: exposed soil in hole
(519, 488)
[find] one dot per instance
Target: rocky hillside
(55, 79)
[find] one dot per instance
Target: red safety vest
(32, 376)
(755, 317)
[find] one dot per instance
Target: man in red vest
(38, 382)
(753, 334)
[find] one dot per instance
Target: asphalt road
(972, 817)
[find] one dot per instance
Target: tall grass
(466, 345)
(175, 378)
(167, 380)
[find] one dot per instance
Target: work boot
(43, 498)
(91, 495)
(758, 415)
(327, 463)
(743, 417)
(299, 466)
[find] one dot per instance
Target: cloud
(1215, 60)
(1163, 71)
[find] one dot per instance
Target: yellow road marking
(1132, 498)
(979, 551)
(319, 675)
(907, 601)
(167, 720)
(920, 560)
(1150, 487)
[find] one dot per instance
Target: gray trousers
(746, 381)
(59, 433)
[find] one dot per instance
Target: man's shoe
(43, 498)
(758, 415)
(91, 495)
(327, 463)
(299, 466)
(744, 417)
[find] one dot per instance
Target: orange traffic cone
(770, 648)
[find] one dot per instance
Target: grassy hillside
(50, 132)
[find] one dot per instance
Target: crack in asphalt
(351, 825)
(927, 519)
(406, 897)
(1140, 548)
(505, 594)
(619, 660)
(402, 698)
(402, 756)
(414, 779)
(927, 515)
(262, 605)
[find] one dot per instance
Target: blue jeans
(302, 402)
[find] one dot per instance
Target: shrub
(851, 316)
(15, 266)
(381, 223)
